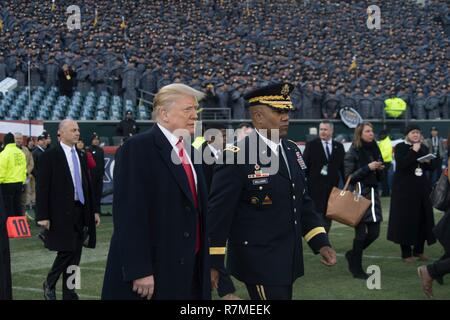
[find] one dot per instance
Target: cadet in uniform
(258, 202)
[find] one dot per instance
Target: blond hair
(167, 95)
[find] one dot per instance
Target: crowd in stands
(226, 47)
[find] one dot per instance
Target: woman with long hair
(411, 218)
(364, 163)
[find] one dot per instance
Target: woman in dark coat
(411, 218)
(365, 165)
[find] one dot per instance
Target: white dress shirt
(173, 140)
(68, 153)
(274, 147)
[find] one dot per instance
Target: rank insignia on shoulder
(233, 149)
(300, 160)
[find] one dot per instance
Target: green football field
(31, 262)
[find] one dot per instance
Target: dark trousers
(439, 268)
(65, 259)
(261, 292)
(409, 251)
(366, 234)
(5, 264)
(12, 197)
(225, 285)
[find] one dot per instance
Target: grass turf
(31, 262)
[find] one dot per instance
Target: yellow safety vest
(13, 165)
(385, 146)
(394, 107)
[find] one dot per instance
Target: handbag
(440, 195)
(347, 207)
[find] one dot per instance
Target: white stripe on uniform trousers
(373, 204)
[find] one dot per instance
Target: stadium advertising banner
(110, 153)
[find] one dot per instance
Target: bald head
(69, 132)
(18, 138)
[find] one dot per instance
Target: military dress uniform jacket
(262, 216)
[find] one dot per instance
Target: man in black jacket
(98, 172)
(65, 208)
(127, 127)
(324, 159)
(212, 152)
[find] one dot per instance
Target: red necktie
(190, 176)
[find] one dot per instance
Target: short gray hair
(168, 94)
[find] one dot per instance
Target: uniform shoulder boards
(233, 149)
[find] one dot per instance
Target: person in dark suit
(98, 172)
(5, 259)
(324, 159)
(64, 207)
(67, 79)
(128, 126)
(438, 269)
(37, 152)
(212, 152)
(258, 202)
(212, 148)
(159, 247)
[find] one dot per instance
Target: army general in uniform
(259, 204)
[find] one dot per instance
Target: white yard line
(41, 291)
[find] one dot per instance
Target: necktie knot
(180, 143)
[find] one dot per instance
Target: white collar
(66, 148)
(41, 148)
(330, 141)
(272, 145)
(170, 136)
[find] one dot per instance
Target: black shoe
(49, 293)
(360, 275)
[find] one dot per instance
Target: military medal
(254, 200)
(258, 173)
(324, 170)
(300, 160)
(418, 172)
